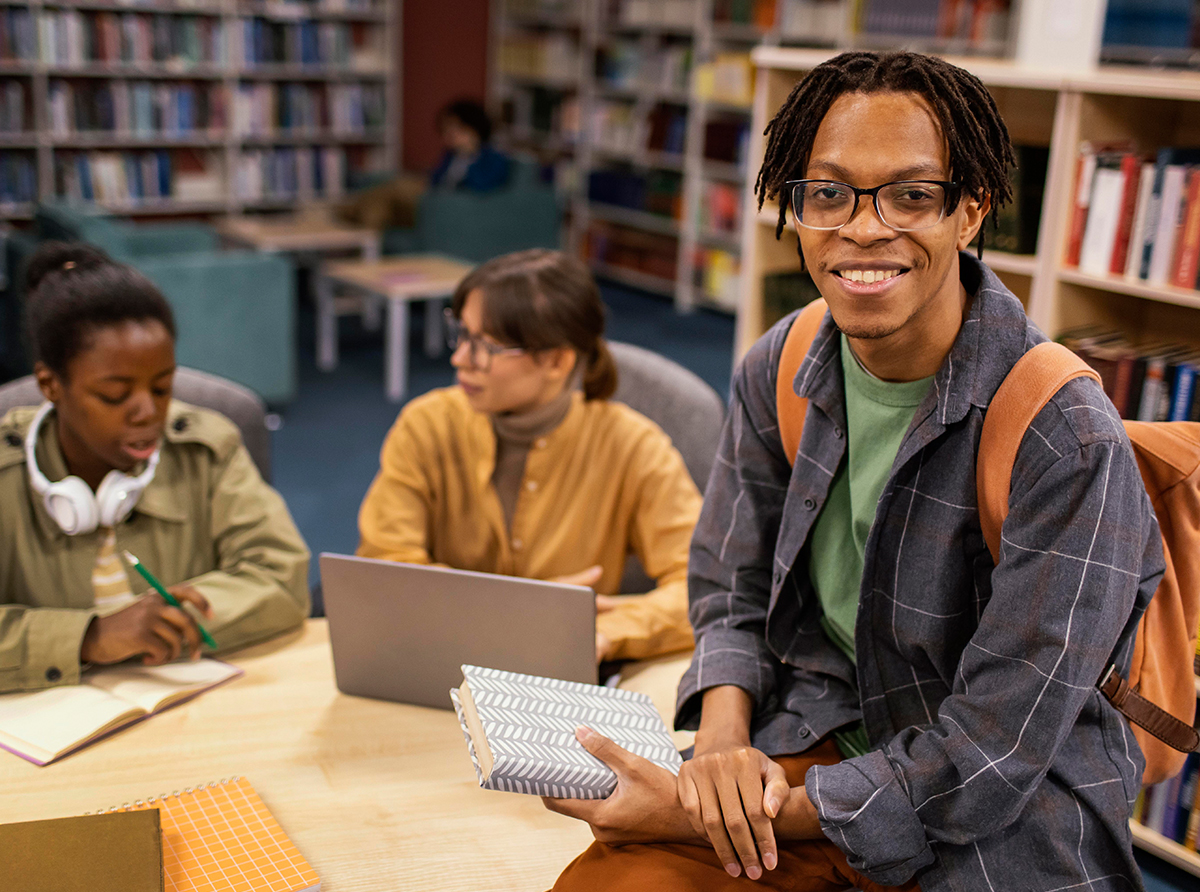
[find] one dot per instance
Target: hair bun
(60, 257)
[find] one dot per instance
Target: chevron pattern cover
(530, 726)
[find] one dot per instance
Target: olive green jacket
(207, 518)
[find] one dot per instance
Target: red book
(1187, 253)
(1085, 167)
(1130, 166)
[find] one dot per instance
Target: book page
(156, 687)
(42, 724)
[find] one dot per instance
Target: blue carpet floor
(327, 451)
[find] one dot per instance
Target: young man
(877, 703)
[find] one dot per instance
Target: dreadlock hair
(980, 149)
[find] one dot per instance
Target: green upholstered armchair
(474, 226)
(235, 310)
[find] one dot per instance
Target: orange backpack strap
(790, 408)
(1029, 385)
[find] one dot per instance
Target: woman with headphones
(110, 465)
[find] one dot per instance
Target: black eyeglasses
(905, 205)
(480, 352)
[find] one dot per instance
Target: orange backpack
(1165, 663)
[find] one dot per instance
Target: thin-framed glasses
(905, 205)
(480, 352)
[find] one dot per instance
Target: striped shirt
(996, 764)
(109, 579)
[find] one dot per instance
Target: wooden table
(299, 234)
(398, 280)
(377, 796)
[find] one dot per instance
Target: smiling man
(878, 704)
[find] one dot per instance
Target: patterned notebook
(520, 731)
(222, 838)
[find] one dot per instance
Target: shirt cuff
(53, 641)
(725, 657)
(865, 812)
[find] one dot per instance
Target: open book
(520, 731)
(42, 726)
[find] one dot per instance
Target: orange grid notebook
(222, 838)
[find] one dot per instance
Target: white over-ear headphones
(70, 501)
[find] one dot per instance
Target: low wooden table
(398, 280)
(299, 234)
(377, 796)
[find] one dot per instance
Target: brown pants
(806, 866)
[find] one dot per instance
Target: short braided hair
(981, 152)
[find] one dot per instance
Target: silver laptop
(401, 631)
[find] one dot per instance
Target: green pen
(166, 595)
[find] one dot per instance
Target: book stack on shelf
(1137, 216)
(1155, 383)
(73, 38)
(1171, 810)
(655, 14)
(182, 106)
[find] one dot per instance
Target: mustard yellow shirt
(606, 482)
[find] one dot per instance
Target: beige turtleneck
(515, 433)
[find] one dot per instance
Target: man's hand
(149, 628)
(731, 794)
(643, 808)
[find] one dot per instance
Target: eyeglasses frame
(951, 188)
(490, 350)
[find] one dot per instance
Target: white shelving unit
(363, 34)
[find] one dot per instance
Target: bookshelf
(1042, 108)
(193, 106)
(660, 92)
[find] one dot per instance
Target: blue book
(84, 170)
(1183, 391)
(164, 173)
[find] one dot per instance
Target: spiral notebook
(220, 837)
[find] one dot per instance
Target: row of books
(654, 13)
(138, 107)
(1172, 807)
(114, 177)
(727, 78)
(727, 140)
(345, 108)
(760, 13)
(812, 21)
(631, 65)
(1136, 215)
(540, 110)
(1144, 383)
(1162, 24)
(18, 178)
(718, 273)
(18, 35)
(631, 249)
(721, 208)
(291, 174)
(305, 42)
(13, 109)
(547, 55)
(976, 22)
(656, 192)
(1018, 222)
(71, 37)
(307, 7)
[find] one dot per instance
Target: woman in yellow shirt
(526, 468)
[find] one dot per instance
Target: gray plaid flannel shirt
(997, 764)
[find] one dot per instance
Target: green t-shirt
(878, 414)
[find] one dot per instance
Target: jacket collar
(994, 335)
